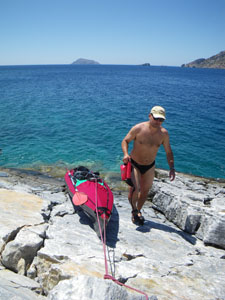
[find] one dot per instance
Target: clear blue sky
(161, 32)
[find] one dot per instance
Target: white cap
(158, 112)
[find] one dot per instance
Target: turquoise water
(58, 116)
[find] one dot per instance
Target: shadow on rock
(150, 224)
(112, 229)
(84, 218)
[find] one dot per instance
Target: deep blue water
(58, 116)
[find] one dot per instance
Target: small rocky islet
(47, 251)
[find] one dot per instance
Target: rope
(107, 276)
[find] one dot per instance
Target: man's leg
(133, 197)
(146, 181)
(134, 191)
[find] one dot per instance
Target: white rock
(159, 258)
(19, 253)
(89, 288)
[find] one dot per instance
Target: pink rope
(107, 276)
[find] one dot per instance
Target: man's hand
(172, 174)
(126, 158)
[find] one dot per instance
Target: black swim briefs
(142, 168)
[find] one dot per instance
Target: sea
(57, 117)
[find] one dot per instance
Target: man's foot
(137, 217)
(142, 219)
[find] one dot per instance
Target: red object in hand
(125, 171)
(128, 170)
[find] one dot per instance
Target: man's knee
(145, 187)
(144, 193)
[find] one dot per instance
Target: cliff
(49, 252)
(84, 61)
(217, 62)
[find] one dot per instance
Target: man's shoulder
(140, 125)
(163, 130)
(164, 133)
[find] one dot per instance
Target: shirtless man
(147, 137)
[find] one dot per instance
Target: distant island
(84, 61)
(215, 62)
(146, 65)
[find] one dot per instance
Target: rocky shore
(47, 251)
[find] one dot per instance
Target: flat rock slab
(17, 209)
(17, 289)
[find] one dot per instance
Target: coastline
(112, 178)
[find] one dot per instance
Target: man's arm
(169, 155)
(125, 142)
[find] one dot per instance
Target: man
(147, 137)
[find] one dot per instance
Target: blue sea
(54, 117)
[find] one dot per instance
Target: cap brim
(159, 116)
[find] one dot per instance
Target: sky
(130, 32)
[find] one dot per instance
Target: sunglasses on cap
(158, 119)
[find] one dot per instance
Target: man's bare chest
(149, 140)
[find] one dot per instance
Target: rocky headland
(216, 62)
(47, 251)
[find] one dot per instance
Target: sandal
(136, 219)
(141, 218)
